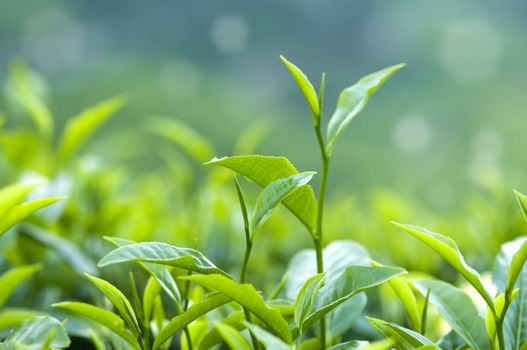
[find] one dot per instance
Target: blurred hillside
(452, 121)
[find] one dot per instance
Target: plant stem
(248, 249)
(186, 298)
(318, 238)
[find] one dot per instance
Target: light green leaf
(161, 253)
(21, 211)
(516, 266)
(458, 310)
(266, 338)
(404, 293)
(307, 89)
(403, 337)
(232, 337)
(13, 195)
(13, 317)
(66, 249)
(150, 294)
(103, 317)
(522, 201)
(161, 273)
(273, 194)
(515, 325)
(39, 333)
(305, 298)
(13, 278)
(352, 100)
(210, 302)
(213, 337)
(449, 251)
(248, 297)
(118, 299)
(350, 345)
(265, 169)
(81, 126)
(182, 135)
(352, 281)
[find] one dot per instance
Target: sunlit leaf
(353, 280)
(39, 333)
(232, 337)
(13, 278)
(213, 337)
(267, 339)
(81, 126)
(307, 89)
(13, 195)
(449, 251)
(522, 201)
(403, 337)
(21, 211)
(273, 194)
(103, 317)
(458, 310)
(182, 135)
(248, 297)
(209, 302)
(161, 253)
(13, 317)
(305, 298)
(265, 169)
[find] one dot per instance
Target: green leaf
(451, 341)
(161, 273)
(343, 317)
(516, 266)
(458, 310)
(273, 194)
(213, 337)
(352, 281)
(182, 135)
(449, 251)
(103, 317)
(150, 294)
(23, 90)
(161, 253)
(265, 169)
(232, 337)
(350, 345)
(307, 89)
(13, 317)
(522, 201)
(118, 299)
(404, 293)
(20, 212)
(13, 278)
(515, 325)
(403, 337)
(266, 338)
(210, 302)
(81, 126)
(248, 297)
(352, 100)
(66, 249)
(39, 333)
(13, 195)
(305, 298)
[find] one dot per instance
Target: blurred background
(441, 144)
(453, 119)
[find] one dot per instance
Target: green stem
(248, 249)
(500, 320)
(186, 299)
(318, 237)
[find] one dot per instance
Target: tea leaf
(213, 337)
(13, 278)
(118, 299)
(14, 317)
(24, 210)
(355, 279)
(352, 100)
(458, 310)
(39, 333)
(248, 297)
(209, 302)
(403, 337)
(449, 251)
(351, 345)
(13, 195)
(150, 294)
(161, 253)
(232, 337)
(273, 194)
(182, 135)
(266, 338)
(305, 298)
(307, 89)
(522, 201)
(265, 169)
(101, 316)
(81, 126)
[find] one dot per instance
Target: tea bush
(197, 254)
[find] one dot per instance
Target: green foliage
(40, 333)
